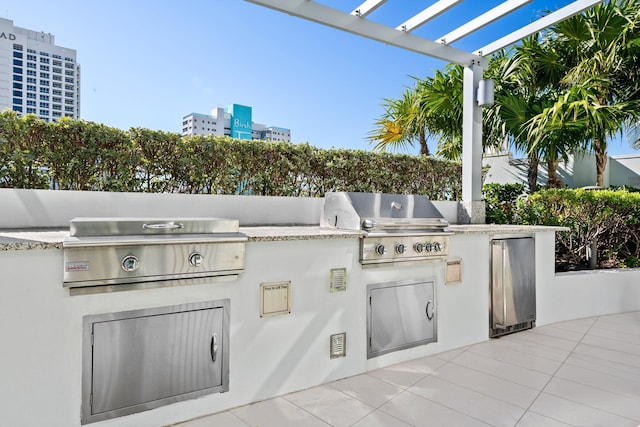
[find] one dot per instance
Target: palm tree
(431, 109)
(600, 50)
(401, 124)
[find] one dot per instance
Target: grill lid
(133, 231)
(381, 211)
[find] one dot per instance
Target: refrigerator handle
(504, 288)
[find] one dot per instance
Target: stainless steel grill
(109, 254)
(396, 227)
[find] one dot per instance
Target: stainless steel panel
(400, 315)
(138, 360)
(513, 290)
(149, 226)
(102, 265)
(370, 255)
(348, 210)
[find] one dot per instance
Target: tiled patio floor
(578, 373)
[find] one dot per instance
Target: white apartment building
(36, 76)
(234, 121)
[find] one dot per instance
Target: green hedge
(611, 218)
(80, 155)
(500, 202)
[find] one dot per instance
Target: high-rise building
(36, 76)
(234, 121)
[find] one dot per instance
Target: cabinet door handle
(433, 310)
(214, 347)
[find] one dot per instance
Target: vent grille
(338, 280)
(338, 345)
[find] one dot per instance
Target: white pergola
(474, 62)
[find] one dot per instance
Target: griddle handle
(162, 226)
(214, 347)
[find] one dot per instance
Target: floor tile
(512, 342)
(531, 419)
(468, 402)
(619, 323)
(628, 359)
(565, 334)
(506, 371)
(451, 354)
(489, 385)
(226, 419)
(633, 338)
(615, 403)
(578, 325)
(399, 375)
(330, 405)
(428, 365)
(420, 412)
(604, 366)
(599, 380)
(531, 336)
(276, 412)
(381, 419)
(368, 389)
(577, 414)
(612, 344)
(518, 358)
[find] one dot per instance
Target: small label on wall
(275, 298)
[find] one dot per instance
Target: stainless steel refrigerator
(513, 285)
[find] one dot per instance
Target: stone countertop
(52, 239)
(501, 228)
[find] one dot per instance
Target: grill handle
(162, 226)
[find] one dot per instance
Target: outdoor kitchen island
(297, 313)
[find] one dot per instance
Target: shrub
(500, 202)
(79, 155)
(610, 218)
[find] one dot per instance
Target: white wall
(624, 170)
(55, 208)
(592, 293)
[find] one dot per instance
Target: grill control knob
(428, 247)
(437, 247)
(196, 259)
(400, 248)
(418, 247)
(380, 249)
(130, 263)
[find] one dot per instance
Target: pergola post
(472, 206)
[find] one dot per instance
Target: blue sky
(149, 63)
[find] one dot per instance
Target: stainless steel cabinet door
(144, 361)
(513, 290)
(400, 315)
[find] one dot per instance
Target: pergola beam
(482, 20)
(537, 25)
(325, 15)
(428, 14)
(367, 7)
